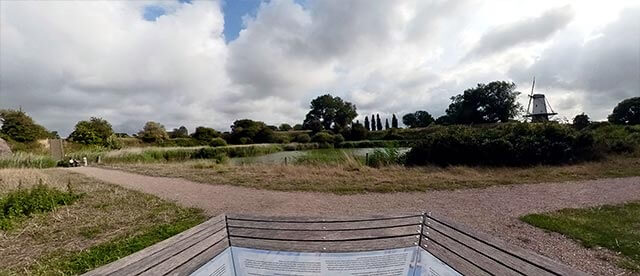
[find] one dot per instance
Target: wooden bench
(466, 251)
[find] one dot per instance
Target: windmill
(538, 112)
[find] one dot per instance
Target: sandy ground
(494, 210)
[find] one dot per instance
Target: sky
(208, 63)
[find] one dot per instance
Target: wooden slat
(187, 255)
(486, 263)
(110, 268)
(168, 252)
(323, 235)
(500, 258)
(285, 223)
(351, 246)
(552, 267)
(200, 260)
(459, 264)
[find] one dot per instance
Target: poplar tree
(394, 121)
(378, 122)
(373, 122)
(386, 123)
(366, 123)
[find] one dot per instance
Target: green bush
(322, 137)
(217, 142)
(303, 138)
(338, 138)
(25, 202)
(505, 144)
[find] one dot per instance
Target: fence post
(366, 159)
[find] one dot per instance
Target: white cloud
(65, 61)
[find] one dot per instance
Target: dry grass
(348, 179)
(106, 213)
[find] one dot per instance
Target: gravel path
(494, 210)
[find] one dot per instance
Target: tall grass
(26, 160)
(385, 157)
(330, 157)
(175, 154)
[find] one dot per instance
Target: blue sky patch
(152, 12)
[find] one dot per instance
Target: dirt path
(494, 210)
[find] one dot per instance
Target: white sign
(410, 261)
(255, 262)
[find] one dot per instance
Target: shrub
(217, 142)
(322, 137)
(245, 140)
(506, 144)
(303, 138)
(338, 138)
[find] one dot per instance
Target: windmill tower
(538, 112)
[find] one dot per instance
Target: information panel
(411, 261)
(221, 265)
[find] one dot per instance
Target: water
(279, 157)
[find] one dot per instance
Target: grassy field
(353, 177)
(614, 227)
(106, 223)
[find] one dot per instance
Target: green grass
(96, 256)
(175, 154)
(26, 160)
(616, 227)
(107, 223)
(328, 157)
(21, 203)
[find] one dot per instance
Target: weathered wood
(287, 223)
(464, 267)
(186, 255)
(528, 262)
(490, 265)
(309, 246)
(170, 251)
(110, 268)
(323, 235)
(200, 260)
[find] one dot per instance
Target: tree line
(330, 119)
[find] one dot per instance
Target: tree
(378, 122)
(285, 127)
(581, 121)
(153, 132)
(487, 103)
(96, 131)
(386, 123)
(394, 121)
(18, 126)
(245, 131)
(627, 112)
(358, 132)
(298, 127)
(205, 134)
(366, 123)
(331, 112)
(373, 123)
(181, 132)
(419, 118)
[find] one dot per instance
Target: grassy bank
(108, 222)
(614, 227)
(175, 154)
(350, 179)
(26, 160)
